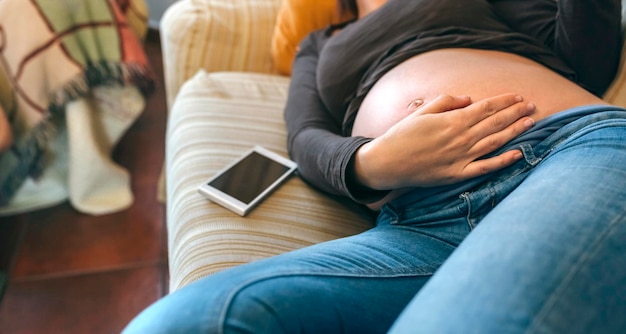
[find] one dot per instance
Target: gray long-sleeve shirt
(579, 39)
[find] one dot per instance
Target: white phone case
(248, 180)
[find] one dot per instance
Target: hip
(537, 145)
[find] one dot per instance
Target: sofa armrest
(216, 118)
(216, 35)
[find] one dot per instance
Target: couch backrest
(216, 35)
(237, 35)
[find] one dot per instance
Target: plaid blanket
(53, 52)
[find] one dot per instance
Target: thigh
(548, 259)
(357, 284)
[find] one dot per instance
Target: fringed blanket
(52, 53)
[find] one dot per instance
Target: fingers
(485, 166)
(491, 109)
(502, 125)
(493, 141)
(445, 103)
(442, 143)
(504, 117)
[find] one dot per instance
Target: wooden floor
(75, 273)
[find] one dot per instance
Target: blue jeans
(549, 256)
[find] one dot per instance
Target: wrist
(365, 167)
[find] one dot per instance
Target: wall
(157, 8)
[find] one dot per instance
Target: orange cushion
(296, 19)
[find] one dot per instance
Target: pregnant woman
(474, 131)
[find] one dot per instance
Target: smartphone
(248, 180)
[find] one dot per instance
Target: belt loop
(390, 210)
(529, 154)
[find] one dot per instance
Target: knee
(278, 304)
(263, 307)
(209, 307)
(196, 308)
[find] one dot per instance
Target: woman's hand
(441, 144)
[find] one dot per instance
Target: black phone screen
(249, 177)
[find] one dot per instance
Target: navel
(414, 105)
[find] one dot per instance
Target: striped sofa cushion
(215, 119)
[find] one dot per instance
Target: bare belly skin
(476, 73)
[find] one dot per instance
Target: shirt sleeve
(585, 34)
(314, 139)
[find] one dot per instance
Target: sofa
(225, 92)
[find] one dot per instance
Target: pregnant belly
(476, 73)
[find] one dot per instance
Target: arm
(314, 136)
(586, 34)
(432, 147)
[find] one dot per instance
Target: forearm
(314, 138)
(326, 161)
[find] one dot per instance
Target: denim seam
(531, 158)
(492, 192)
(549, 305)
(244, 285)
(583, 132)
(468, 218)
(394, 271)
